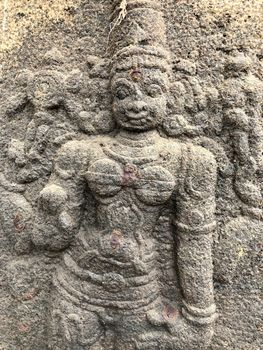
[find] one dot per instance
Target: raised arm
(61, 201)
(195, 222)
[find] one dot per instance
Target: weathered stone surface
(131, 171)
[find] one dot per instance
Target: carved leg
(72, 328)
(130, 329)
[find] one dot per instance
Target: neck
(137, 138)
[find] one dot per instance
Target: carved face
(139, 98)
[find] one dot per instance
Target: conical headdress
(137, 37)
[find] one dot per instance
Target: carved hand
(54, 217)
(52, 199)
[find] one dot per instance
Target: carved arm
(61, 201)
(195, 224)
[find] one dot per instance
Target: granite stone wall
(54, 88)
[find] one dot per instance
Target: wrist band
(206, 229)
(199, 316)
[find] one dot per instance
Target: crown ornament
(138, 35)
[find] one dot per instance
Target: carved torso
(132, 182)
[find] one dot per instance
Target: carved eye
(154, 90)
(122, 93)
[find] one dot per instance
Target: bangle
(199, 316)
(206, 229)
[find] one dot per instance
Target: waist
(70, 266)
(104, 250)
(108, 288)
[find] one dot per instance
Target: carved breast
(152, 184)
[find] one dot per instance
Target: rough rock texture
(76, 178)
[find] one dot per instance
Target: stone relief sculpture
(133, 213)
(241, 98)
(51, 125)
(242, 106)
(42, 96)
(118, 192)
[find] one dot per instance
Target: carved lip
(136, 115)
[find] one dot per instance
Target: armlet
(199, 316)
(195, 230)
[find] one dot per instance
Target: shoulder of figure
(71, 158)
(169, 145)
(74, 157)
(73, 149)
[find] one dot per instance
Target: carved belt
(111, 281)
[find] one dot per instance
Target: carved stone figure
(42, 95)
(242, 104)
(52, 116)
(133, 213)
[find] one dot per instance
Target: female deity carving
(133, 213)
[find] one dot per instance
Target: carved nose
(137, 107)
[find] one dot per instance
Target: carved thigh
(130, 328)
(72, 328)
